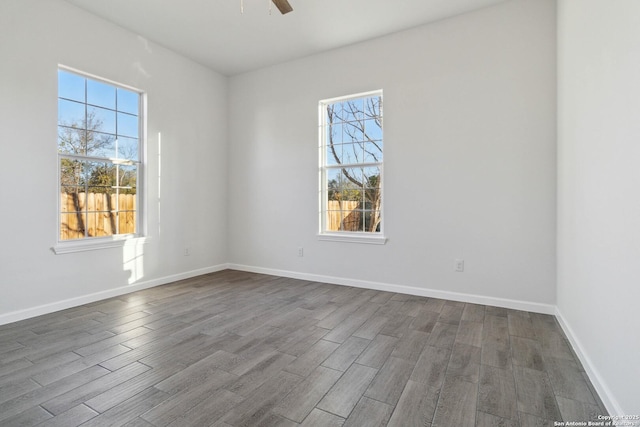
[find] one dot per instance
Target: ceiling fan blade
(283, 6)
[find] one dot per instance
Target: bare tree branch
(353, 118)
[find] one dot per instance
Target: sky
(115, 108)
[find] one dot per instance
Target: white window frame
(378, 237)
(117, 240)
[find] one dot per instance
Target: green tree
(80, 138)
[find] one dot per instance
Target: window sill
(353, 238)
(96, 244)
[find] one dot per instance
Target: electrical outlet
(458, 265)
(300, 252)
(187, 251)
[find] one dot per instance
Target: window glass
(351, 164)
(98, 157)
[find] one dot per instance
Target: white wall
(470, 110)
(470, 107)
(187, 114)
(599, 197)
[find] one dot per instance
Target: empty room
(320, 213)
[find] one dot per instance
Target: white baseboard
(18, 315)
(612, 405)
(402, 289)
(603, 391)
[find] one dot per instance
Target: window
(99, 158)
(351, 156)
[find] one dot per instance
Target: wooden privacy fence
(96, 213)
(343, 212)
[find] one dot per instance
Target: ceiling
(216, 34)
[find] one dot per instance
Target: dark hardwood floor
(242, 349)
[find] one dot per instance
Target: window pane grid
(88, 104)
(98, 174)
(351, 149)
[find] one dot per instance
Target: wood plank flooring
(242, 349)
